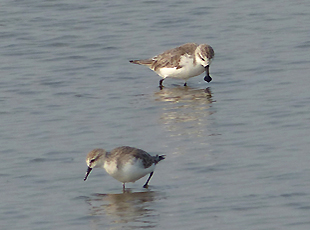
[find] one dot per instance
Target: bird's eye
(92, 160)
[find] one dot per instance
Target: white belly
(128, 172)
(187, 71)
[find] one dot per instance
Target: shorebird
(125, 164)
(183, 62)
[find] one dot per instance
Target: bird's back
(169, 58)
(129, 154)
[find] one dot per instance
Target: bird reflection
(125, 210)
(187, 110)
(179, 93)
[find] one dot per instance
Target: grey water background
(237, 154)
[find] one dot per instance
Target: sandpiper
(125, 164)
(183, 62)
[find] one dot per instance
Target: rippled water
(237, 148)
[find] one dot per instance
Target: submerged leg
(161, 83)
(124, 187)
(146, 183)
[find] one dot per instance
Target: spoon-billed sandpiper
(125, 164)
(183, 62)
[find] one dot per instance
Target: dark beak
(87, 173)
(207, 77)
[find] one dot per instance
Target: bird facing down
(125, 164)
(183, 62)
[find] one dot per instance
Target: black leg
(161, 83)
(124, 187)
(185, 84)
(146, 183)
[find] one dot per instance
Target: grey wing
(146, 158)
(171, 58)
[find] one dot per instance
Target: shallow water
(236, 148)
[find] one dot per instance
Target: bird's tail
(158, 158)
(147, 62)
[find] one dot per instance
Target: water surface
(236, 148)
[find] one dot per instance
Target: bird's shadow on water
(186, 111)
(125, 210)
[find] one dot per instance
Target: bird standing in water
(125, 164)
(183, 62)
